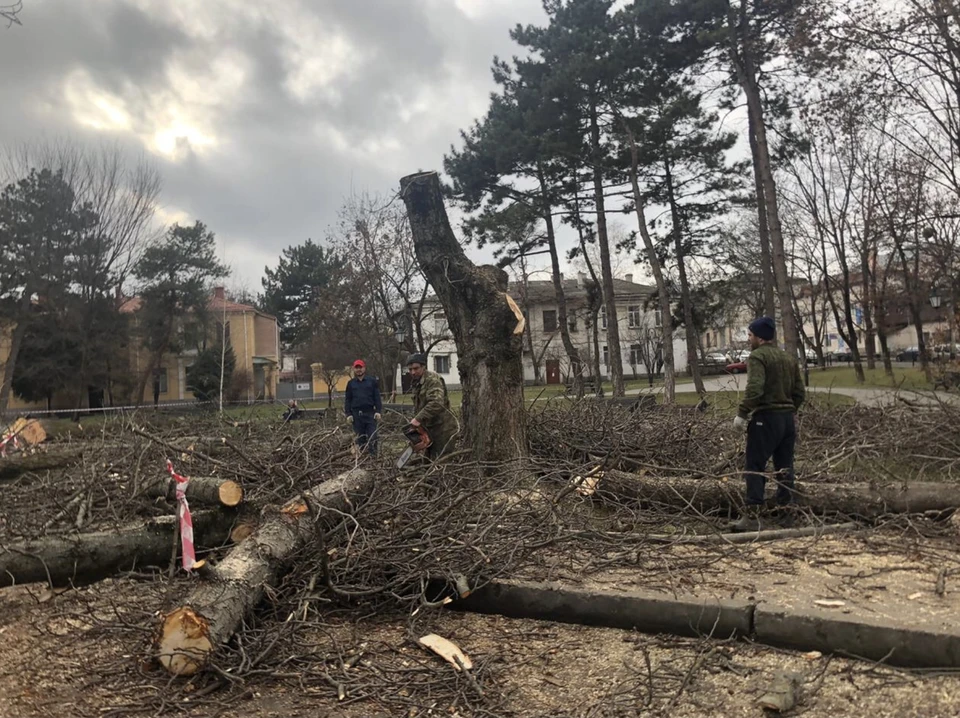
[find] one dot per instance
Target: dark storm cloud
(403, 78)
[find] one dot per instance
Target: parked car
(841, 357)
(737, 367)
(945, 351)
(739, 355)
(716, 358)
(910, 354)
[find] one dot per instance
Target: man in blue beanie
(774, 393)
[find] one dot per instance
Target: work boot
(785, 516)
(749, 520)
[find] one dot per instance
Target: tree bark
(666, 318)
(211, 613)
(576, 363)
(486, 325)
(609, 296)
(766, 263)
(205, 489)
(690, 331)
(862, 500)
(64, 560)
(17, 464)
(740, 52)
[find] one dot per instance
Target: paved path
(870, 396)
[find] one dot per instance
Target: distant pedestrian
(293, 411)
(363, 406)
(773, 394)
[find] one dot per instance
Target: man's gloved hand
(350, 419)
(740, 423)
(376, 417)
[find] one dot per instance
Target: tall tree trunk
(16, 341)
(766, 264)
(486, 324)
(878, 299)
(666, 319)
(741, 55)
(609, 298)
(595, 306)
(690, 331)
(576, 363)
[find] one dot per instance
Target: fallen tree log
(209, 616)
(22, 463)
(705, 495)
(205, 489)
(87, 557)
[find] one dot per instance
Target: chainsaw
(419, 442)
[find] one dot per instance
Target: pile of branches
(835, 444)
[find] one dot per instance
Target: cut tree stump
(703, 495)
(205, 489)
(487, 326)
(87, 557)
(211, 613)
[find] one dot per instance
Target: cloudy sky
(261, 116)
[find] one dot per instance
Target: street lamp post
(401, 336)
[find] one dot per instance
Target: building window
(657, 319)
(603, 317)
(572, 323)
(160, 377)
(440, 323)
(549, 320)
(606, 356)
(441, 364)
(633, 316)
(635, 355)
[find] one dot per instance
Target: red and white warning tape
(183, 515)
(6, 441)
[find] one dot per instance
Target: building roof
(542, 291)
(218, 303)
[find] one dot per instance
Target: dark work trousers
(366, 429)
(770, 434)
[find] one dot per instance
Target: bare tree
(10, 13)
(123, 195)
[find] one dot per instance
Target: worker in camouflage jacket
(773, 395)
(431, 406)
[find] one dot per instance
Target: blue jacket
(363, 396)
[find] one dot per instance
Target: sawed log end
(183, 642)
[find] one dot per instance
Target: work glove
(376, 417)
(350, 419)
(740, 423)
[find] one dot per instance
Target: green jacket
(773, 382)
(431, 405)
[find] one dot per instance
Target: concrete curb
(650, 612)
(863, 637)
(643, 611)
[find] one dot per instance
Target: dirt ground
(81, 653)
(885, 574)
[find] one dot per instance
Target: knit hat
(763, 328)
(417, 359)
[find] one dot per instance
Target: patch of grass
(728, 401)
(845, 377)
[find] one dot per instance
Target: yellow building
(254, 336)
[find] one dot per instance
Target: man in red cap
(363, 406)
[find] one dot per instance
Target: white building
(637, 316)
